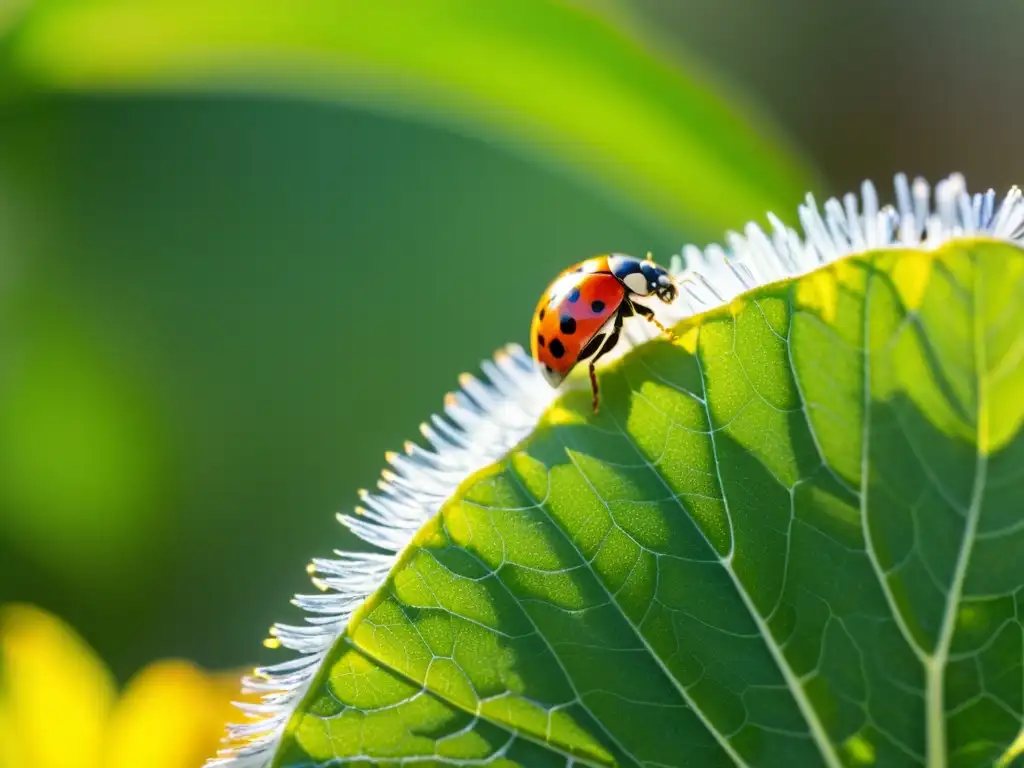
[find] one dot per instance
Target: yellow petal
(56, 693)
(12, 755)
(172, 715)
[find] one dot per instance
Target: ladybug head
(658, 281)
(666, 291)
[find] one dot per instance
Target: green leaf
(551, 77)
(791, 538)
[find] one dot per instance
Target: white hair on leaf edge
(485, 419)
(714, 276)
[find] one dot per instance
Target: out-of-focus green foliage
(76, 440)
(549, 76)
(791, 538)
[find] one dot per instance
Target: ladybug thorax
(641, 278)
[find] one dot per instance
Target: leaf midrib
(935, 665)
(863, 493)
(865, 464)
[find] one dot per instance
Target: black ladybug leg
(648, 314)
(592, 346)
(609, 344)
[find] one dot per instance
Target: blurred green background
(235, 270)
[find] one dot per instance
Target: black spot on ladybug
(540, 340)
(597, 306)
(556, 348)
(574, 295)
(567, 325)
(540, 316)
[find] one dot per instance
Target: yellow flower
(59, 706)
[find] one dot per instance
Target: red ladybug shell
(574, 308)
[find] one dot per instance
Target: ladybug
(580, 315)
